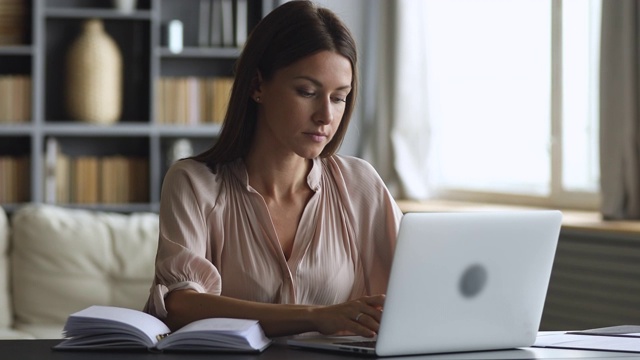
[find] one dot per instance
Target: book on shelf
(227, 23)
(215, 25)
(15, 98)
(241, 17)
(91, 179)
(223, 23)
(193, 100)
(109, 327)
(139, 179)
(85, 179)
(23, 176)
(7, 184)
(204, 23)
(14, 179)
(222, 92)
(62, 171)
(13, 21)
(123, 179)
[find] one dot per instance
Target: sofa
(55, 261)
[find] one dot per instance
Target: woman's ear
(256, 86)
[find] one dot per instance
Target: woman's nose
(323, 113)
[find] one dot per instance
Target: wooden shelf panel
(15, 129)
(201, 52)
(196, 131)
(16, 50)
(75, 129)
(79, 13)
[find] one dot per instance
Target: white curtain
(619, 110)
(398, 137)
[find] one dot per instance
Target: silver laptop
(459, 282)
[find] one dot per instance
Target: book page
(218, 334)
(221, 325)
(96, 320)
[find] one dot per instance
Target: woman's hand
(356, 317)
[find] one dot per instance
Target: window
(512, 90)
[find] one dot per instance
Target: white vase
(125, 6)
(94, 76)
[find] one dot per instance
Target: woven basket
(94, 76)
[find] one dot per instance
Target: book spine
(215, 39)
(227, 23)
(242, 12)
(204, 23)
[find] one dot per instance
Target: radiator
(595, 282)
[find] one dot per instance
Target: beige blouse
(216, 236)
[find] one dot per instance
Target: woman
(269, 223)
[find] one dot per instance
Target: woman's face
(301, 107)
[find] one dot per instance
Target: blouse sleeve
(379, 234)
(375, 219)
(183, 245)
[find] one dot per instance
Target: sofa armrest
(6, 317)
(64, 260)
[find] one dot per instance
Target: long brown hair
(290, 32)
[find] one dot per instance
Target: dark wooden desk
(41, 350)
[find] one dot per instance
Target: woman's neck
(278, 177)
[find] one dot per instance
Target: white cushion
(10, 334)
(40, 331)
(6, 319)
(64, 260)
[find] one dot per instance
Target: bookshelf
(150, 124)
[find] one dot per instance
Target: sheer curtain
(398, 134)
(620, 110)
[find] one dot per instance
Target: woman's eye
(306, 93)
(339, 99)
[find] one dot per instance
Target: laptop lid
(467, 281)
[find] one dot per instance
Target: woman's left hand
(357, 317)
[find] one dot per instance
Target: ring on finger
(358, 316)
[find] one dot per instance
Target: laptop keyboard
(366, 344)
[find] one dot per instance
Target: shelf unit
(53, 25)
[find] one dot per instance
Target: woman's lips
(317, 137)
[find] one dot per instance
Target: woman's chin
(310, 153)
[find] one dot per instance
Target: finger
(374, 313)
(375, 300)
(373, 306)
(368, 323)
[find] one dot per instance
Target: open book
(108, 327)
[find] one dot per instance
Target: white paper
(587, 342)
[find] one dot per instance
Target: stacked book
(192, 100)
(223, 23)
(14, 179)
(13, 22)
(113, 179)
(15, 98)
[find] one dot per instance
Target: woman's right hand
(356, 317)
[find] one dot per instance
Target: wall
(594, 282)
